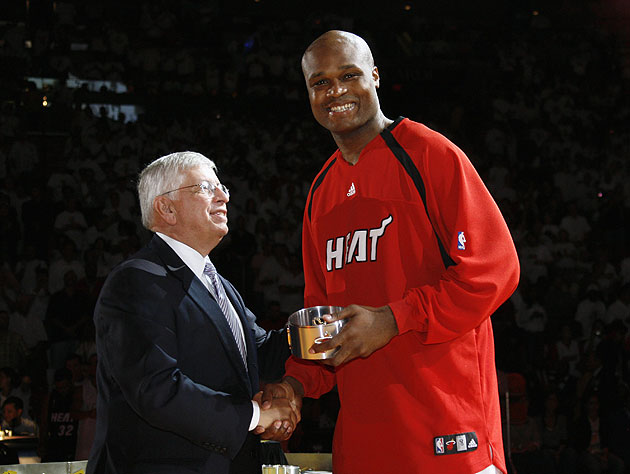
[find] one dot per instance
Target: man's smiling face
(202, 218)
(342, 81)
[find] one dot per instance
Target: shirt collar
(193, 259)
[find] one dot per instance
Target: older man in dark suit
(179, 353)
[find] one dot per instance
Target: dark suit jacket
(173, 392)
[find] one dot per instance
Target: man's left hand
(366, 329)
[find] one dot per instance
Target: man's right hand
(280, 429)
(279, 414)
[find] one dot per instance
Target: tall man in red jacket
(400, 229)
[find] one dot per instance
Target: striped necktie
(230, 316)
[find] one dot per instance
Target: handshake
(280, 406)
(366, 330)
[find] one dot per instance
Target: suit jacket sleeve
(273, 352)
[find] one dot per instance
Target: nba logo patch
(461, 241)
(439, 445)
(461, 442)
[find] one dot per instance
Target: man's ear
(376, 76)
(165, 210)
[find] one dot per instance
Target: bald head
(335, 39)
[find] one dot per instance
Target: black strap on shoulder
(318, 181)
(394, 124)
(407, 163)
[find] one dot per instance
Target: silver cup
(307, 327)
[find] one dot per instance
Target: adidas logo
(351, 191)
(472, 443)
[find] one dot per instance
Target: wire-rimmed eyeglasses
(205, 187)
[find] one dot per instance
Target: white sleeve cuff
(255, 416)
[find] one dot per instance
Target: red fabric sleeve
(486, 269)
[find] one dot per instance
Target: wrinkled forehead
(197, 174)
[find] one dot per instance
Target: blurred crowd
(539, 100)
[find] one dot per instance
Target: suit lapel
(200, 294)
(206, 303)
(252, 349)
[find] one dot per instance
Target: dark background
(535, 93)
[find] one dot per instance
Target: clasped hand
(287, 397)
(366, 330)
